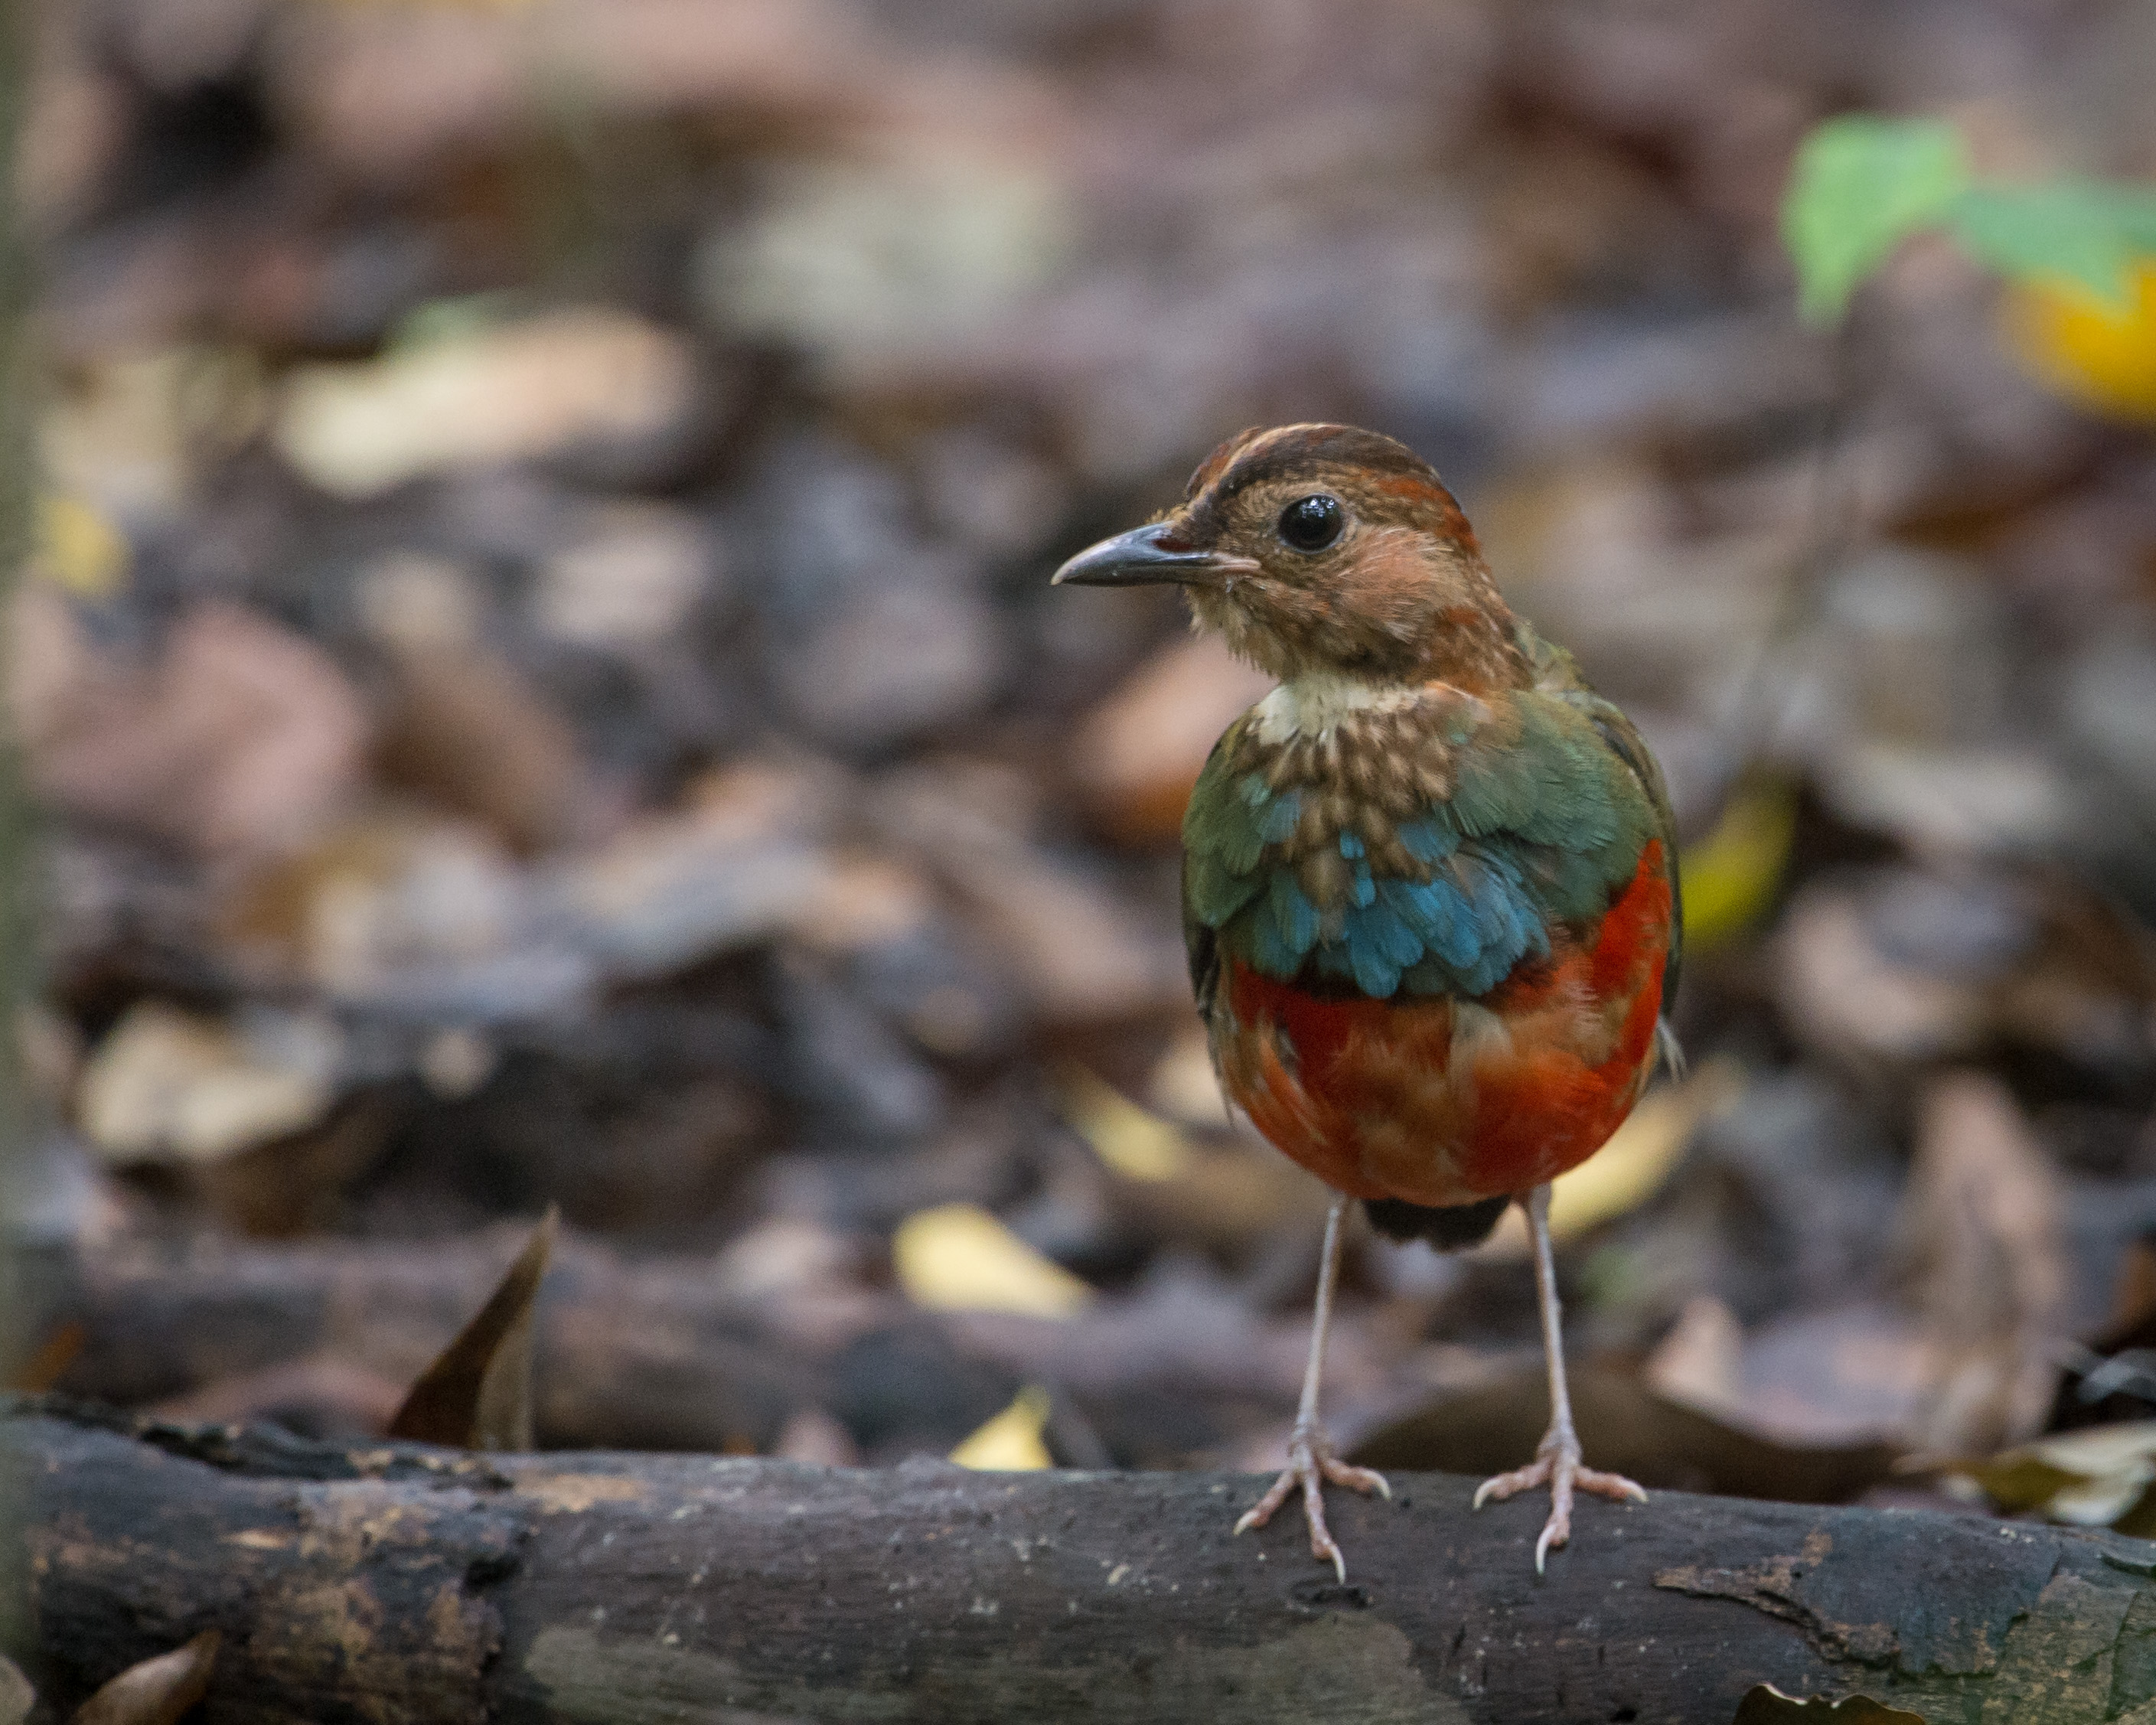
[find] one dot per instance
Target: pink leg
(1310, 1457)
(1557, 1457)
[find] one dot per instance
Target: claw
(1558, 1466)
(1311, 1461)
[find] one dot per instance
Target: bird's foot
(1557, 1465)
(1310, 1462)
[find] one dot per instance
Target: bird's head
(1322, 548)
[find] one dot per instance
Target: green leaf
(2070, 230)
(1860, 185)
(2134, 208)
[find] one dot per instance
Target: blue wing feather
(1534, 833)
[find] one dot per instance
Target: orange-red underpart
(1441, 1101)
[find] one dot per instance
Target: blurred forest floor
(540, 667)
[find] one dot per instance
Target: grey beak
(1137, 558)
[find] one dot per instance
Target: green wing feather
(1545, 822)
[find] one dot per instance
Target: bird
(1429, 883)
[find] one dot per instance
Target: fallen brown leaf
(17, 1697)
(241, 737)
(477, 1395)
(1164, 1183)
(547, 384)
(1764, 1704)
(2099, 1476)
(52, 1357)
(469, 731)
(1624, 1426)
(1981, 1231)
(157, 1692)
(167, 1086)
(1137, 755)
(329, 1392)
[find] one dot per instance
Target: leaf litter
(567, 714)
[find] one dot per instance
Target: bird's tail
(1448, 1228)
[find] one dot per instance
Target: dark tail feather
(1448, 1228)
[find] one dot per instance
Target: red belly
(1440, 1101)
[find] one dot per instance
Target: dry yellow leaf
(1137, 1145)
(1011, 1442)
(1182, 1086)
(167, 1085)
(2101, 355)
(156, 1691)
(511, 392)
(79, 549)
(958, 1258)
(1730, 875)
(2088, 1478)
(1630, 1168)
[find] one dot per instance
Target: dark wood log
(398, 1582)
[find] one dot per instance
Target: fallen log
(394, 1583)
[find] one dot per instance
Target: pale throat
(1314, 702)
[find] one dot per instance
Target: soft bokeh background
(542, 671)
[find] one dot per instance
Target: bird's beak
(1138, 559)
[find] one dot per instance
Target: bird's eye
(1312, 523)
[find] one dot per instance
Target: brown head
(1325, 548)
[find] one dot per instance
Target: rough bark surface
(395, 1583)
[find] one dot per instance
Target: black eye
(1312, 523)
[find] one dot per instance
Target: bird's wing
(1544, 823)
(1218, 830)
(1626, 743)
(1558, 673)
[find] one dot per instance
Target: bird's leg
(1557, 1457)
(1310, 1457)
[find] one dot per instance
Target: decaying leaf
(320, 1392)
(1137, 1145)
(2096, 1477)
(477, 1395)
(1981, 1231)
(507, 393)
(79, 549)
(1167, 1183)
(50, 1359)
(1629, 1169)
(157, 1691)
(1137, 756)
(1699, 1363)
(241, 737)
(17, 1697)
(1183, 1084)
(171, 1085)
(1624, 1426)
(1011, 1442)
(1731, 875)
(957, 1257)
(467, 729)
(1764, 1704)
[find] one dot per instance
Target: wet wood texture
(398, 1582)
